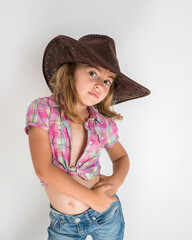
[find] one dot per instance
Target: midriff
(66, 204)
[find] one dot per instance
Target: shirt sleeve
(37, 115)
(112, 135)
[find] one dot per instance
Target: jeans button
(93, 218)
(77, 220)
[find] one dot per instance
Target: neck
(83, 112)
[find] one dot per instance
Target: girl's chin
(90, 102)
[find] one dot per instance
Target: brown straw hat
(94, 49)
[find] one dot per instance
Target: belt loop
(89, 218)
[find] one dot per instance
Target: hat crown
(98, 40)
(103, 45)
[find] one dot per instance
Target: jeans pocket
(108, 215)
(55, 222)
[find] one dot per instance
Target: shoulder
(38, 109)
(38, 113)
(44, 101)
(40, 104)
(108, 122)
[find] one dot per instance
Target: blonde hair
(63, 85)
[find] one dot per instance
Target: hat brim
(63, 49)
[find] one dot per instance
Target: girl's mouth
(93, 94)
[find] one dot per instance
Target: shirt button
(102, 137)
(90, 142)
(77, 220)
(93, 218)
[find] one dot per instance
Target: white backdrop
(153, 41)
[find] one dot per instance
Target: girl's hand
(107, 180)
(100, 199)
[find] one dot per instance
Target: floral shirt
(102, 133)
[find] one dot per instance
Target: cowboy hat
(94, 49)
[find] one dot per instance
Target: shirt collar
(94, 114)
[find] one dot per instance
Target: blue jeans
(107, 225)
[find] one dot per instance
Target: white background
(154, 47)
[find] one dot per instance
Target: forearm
(120, 170)
(62, 182)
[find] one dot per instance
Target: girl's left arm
(121, 164)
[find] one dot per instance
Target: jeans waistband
(90, 213)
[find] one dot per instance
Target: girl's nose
(98, 87)
(99, 84)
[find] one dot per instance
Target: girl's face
(92, 83)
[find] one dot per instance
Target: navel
(70, 204)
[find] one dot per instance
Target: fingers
(114, 198)
(103, 176)
(108, 186)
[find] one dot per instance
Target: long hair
(63, 85)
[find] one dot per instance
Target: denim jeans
(107, 225)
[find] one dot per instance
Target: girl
(68, 131)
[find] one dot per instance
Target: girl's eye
(109, 83)
(93, 74)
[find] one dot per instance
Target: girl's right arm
(41, 154)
